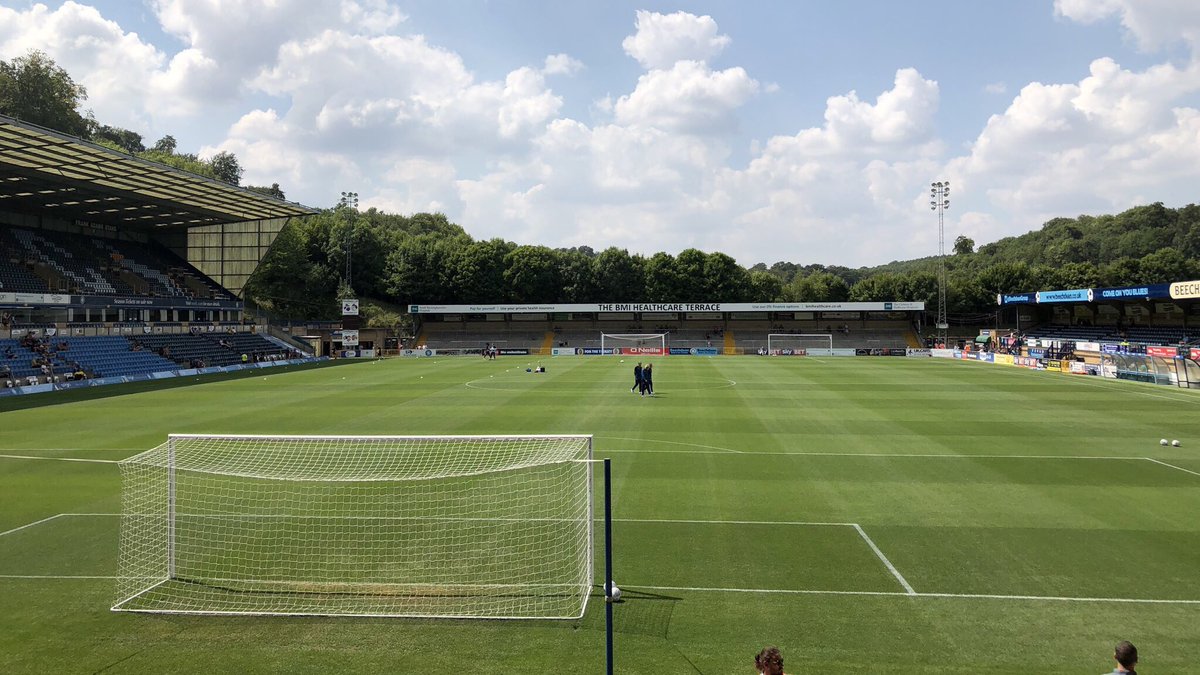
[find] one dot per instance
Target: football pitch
(866, 515)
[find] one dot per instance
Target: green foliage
(225, 167)
(126, 140)
(33, 88)
(964, 245)
(273, 191)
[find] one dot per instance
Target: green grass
(1002, 496)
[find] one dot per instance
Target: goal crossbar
(807, 342)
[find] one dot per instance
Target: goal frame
(826, 336)
(171, 529)
(661, 337)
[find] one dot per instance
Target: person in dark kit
(637, 377)
(648, 379)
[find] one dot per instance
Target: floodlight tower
(939, 200)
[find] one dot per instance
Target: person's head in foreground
(1126, 656)
(769, 661)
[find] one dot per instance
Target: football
(1163, 442)
(615, 595)
(1175, 442)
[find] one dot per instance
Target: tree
(129, 141)
(619, 276)
(765, 286)
(725, 280)
(533, 274)
(964, 245)
(273, 191)
(818, 287)
(226, 168)
(35, 89)
(165, 145)
(664, 282)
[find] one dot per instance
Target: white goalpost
(634, 343)
(495, 527)
(800, 344)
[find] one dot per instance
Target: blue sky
(653, 126)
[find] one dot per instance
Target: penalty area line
(1177, 468)
(63, 459)
(898, 594)
(56, 576)
(36, 522)
(884, 559)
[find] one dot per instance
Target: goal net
(800, 344)
(654, 344)
(424, 526)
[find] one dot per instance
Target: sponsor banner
(1037, 353)
(34, 299)
(789, 352)
(153, 303)
(675, 307)
(1146, 292)
(1087, 346)
(1163, 352)
(1195, 354)
(918, 352)
(1078, 368)
(1053, 364)
(706, 351)
(881, 351)
(349, 338)
(679, 351)
(1185, 290)
(1003, 359)
(1073, 295)
(420, 352)
(562, 351)
(943, 353)
(986, 357)
(596, 351)
(636, 351)
(1016, 299)
(1025, 361)
(505, 351)
(349, 307)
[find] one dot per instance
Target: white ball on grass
(1162, 442)
(616, 593)
(1175, 443)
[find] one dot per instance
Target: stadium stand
(39, 261)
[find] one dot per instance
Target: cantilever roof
(52, 174)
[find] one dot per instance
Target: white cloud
(1154, 23)
(688, 98)
(112, 64)
(996, 88)
(561, 64)
(663, 39)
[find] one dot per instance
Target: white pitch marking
(63, 459)
(897, 594)
(884, 559)
(932, 455)
(53, 576)
(36, 522)
(652, 440)
(1180, 468)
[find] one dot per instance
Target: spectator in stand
(769, 661)
(1126, 656)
